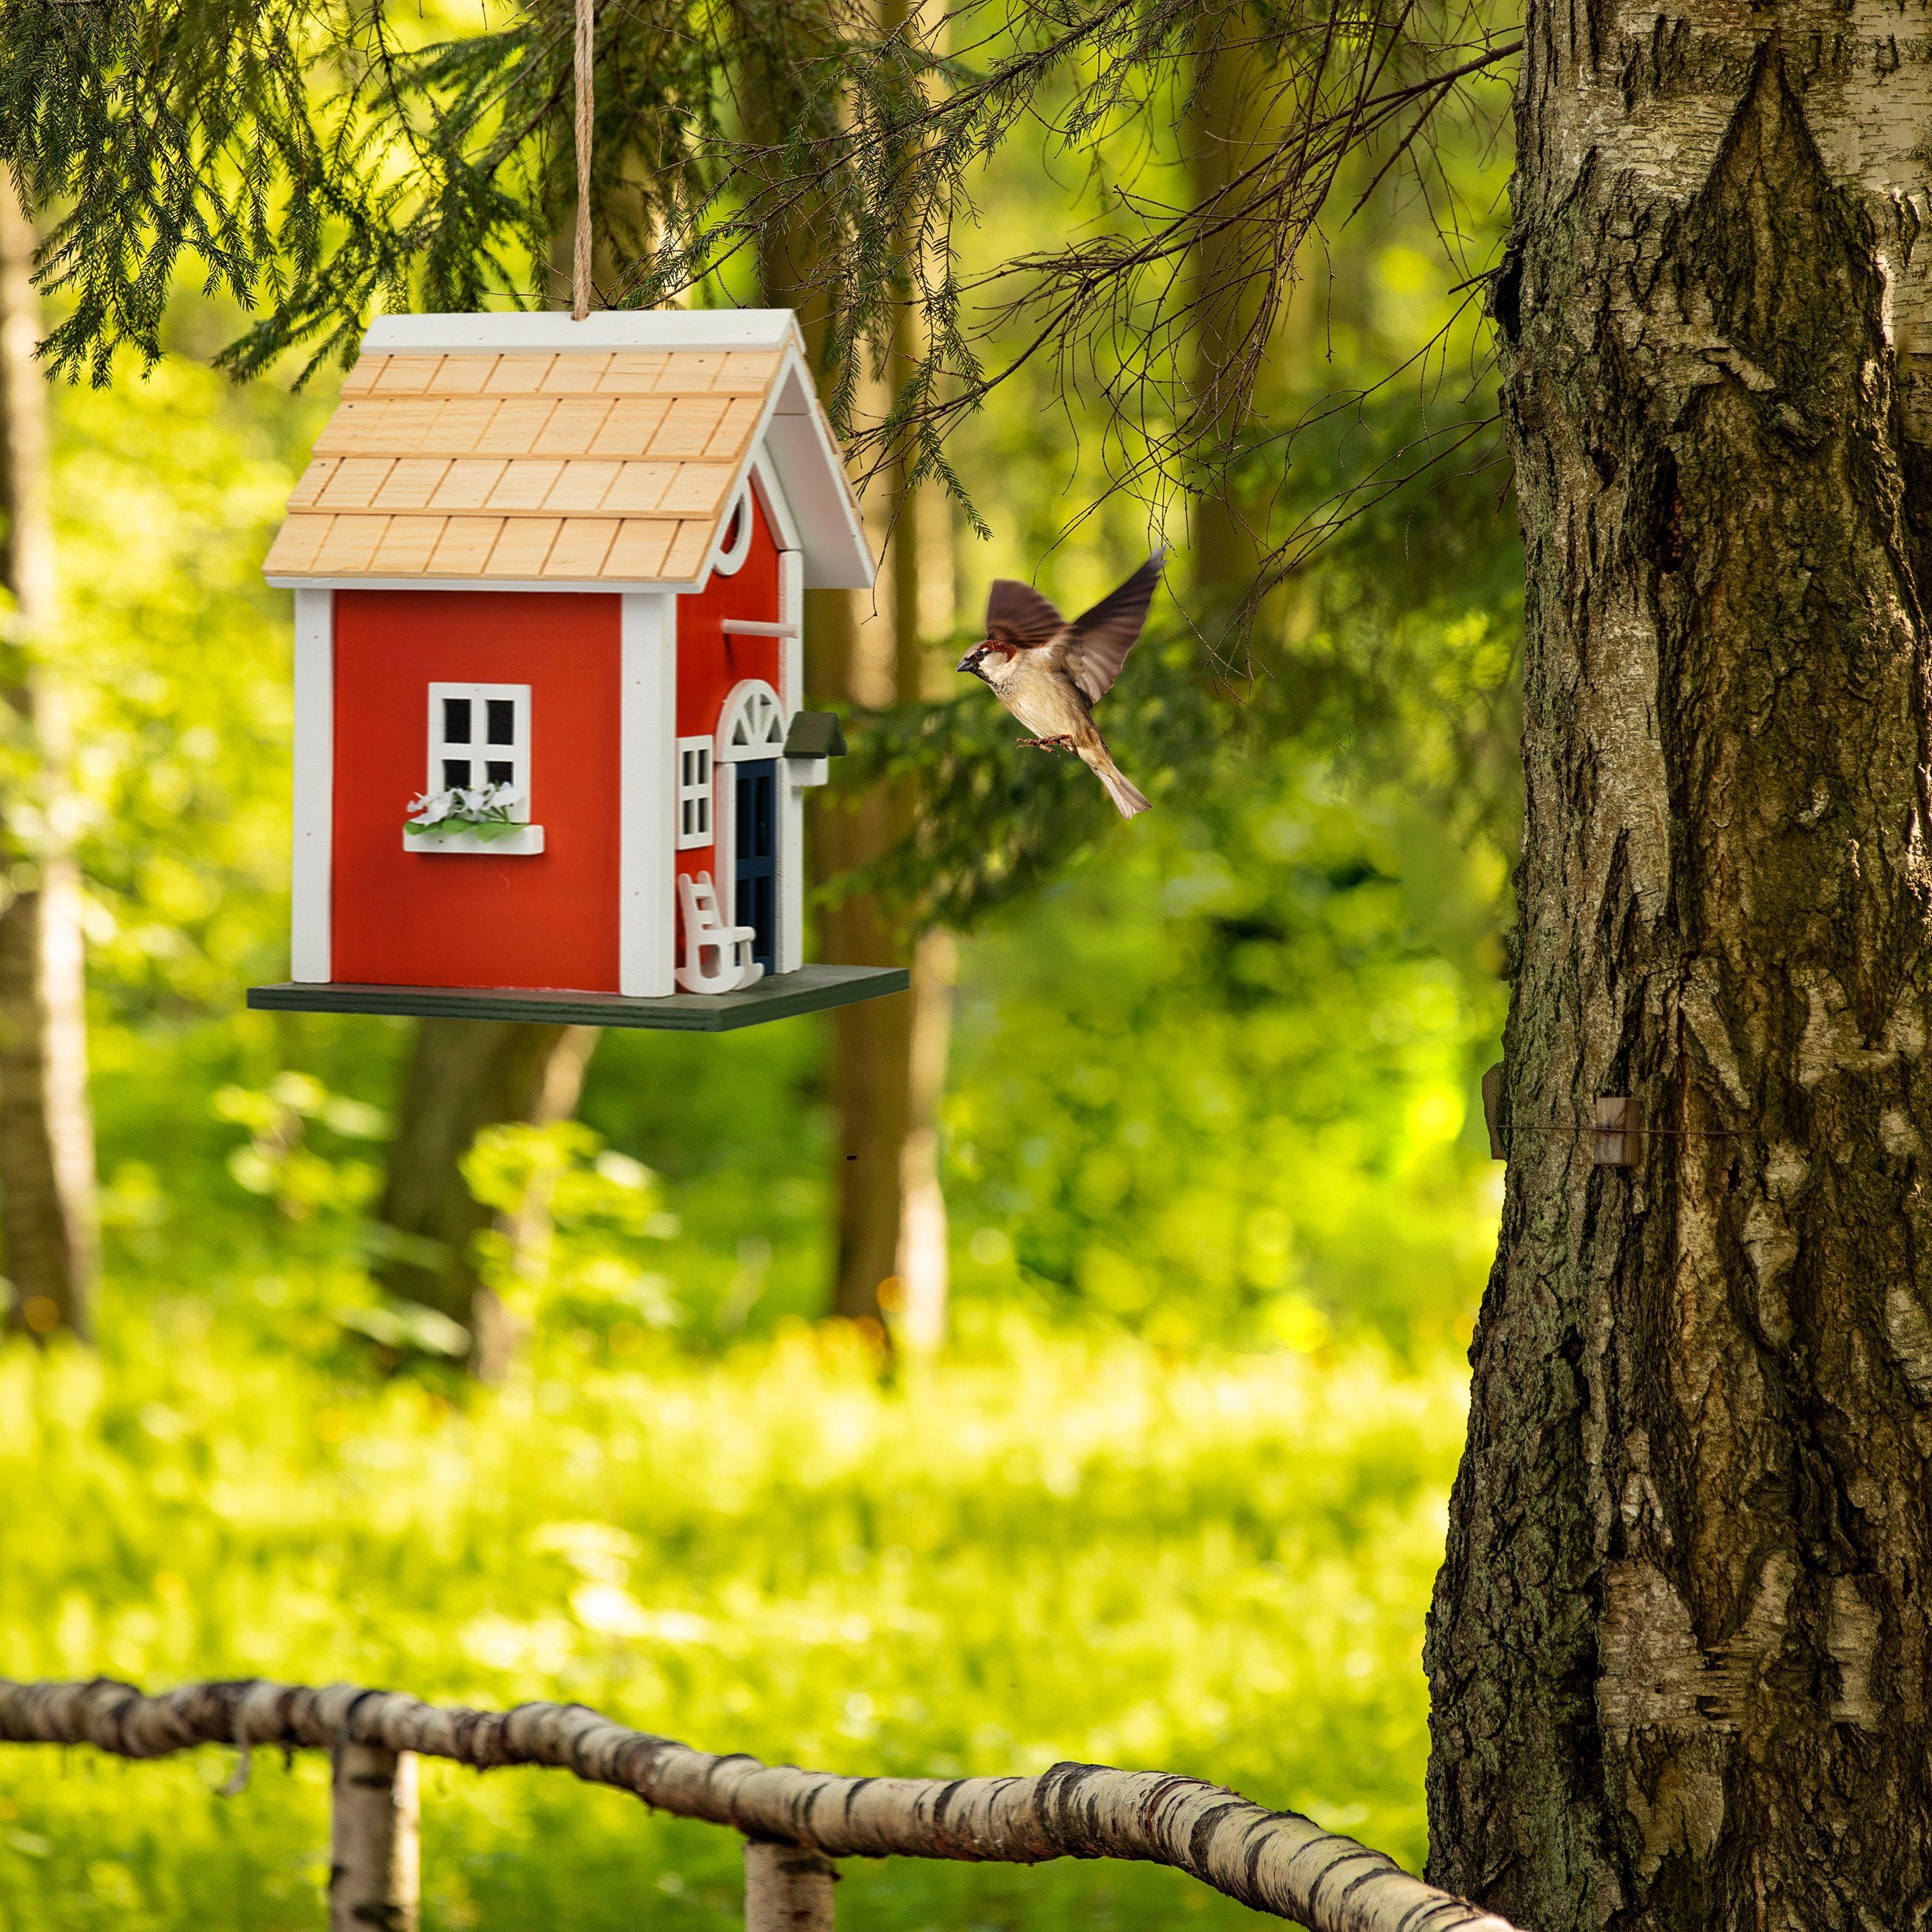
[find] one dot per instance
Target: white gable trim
(509, 330)
(771, 499)
(795, 439)
(792, 449)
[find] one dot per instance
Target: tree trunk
(884, 1113)
(463, 1076)
(924, 1265)
(1680, 1649)
(890, 1072)
(872, 1042)
(787, 1889)
(1232, 120)
(47, 1163)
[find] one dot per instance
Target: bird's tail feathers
(1127, 800)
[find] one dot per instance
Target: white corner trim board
(312, 853)
(647, 834)
(790, 955)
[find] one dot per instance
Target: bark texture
(1229, 297)
(786, 1889)
(375, 1867)
(1680, 1648)
(883, 1100)
(463, 1076)
(47, 1163)
(1276, 1861)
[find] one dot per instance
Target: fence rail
(794, 1822)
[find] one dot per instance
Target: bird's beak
(970, 662)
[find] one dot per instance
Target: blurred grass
(1047, 1548)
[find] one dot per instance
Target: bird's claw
(1061, 744)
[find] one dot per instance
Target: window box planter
(517, 841)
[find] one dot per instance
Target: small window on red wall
(479, 735)
(693, 793)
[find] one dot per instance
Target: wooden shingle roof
(536, 465)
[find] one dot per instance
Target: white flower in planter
(485, 809)
(431, 808)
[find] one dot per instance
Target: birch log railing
(794, 1823)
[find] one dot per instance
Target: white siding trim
(310, 881)
(648, 798)
(789, 953)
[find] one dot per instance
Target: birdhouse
(550, 757)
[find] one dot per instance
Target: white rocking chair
(708, 939)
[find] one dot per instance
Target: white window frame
(752, 724)
(478, 751)
(697, 804)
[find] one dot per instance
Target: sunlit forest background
(1219, 1197)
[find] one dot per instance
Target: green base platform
(810, 989)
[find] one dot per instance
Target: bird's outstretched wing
(1098, 640)
(1017, 614)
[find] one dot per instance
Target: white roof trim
(793, 446)
(793, 439)
(771, 495)
(609, 328)
(608, 587)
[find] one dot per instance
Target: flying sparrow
(1050, 673)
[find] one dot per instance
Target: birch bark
(47, 1154)
(1680, 1646)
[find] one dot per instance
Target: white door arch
(751, 725)
(751, 729)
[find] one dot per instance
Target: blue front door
(755, 864)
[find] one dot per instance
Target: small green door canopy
(815, 734)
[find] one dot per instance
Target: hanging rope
(580, 253)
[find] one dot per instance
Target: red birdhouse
(550, 757)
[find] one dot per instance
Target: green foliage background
(1220, 1215)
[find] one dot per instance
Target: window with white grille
(754, 724)
(693, 793)
(479, 735)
